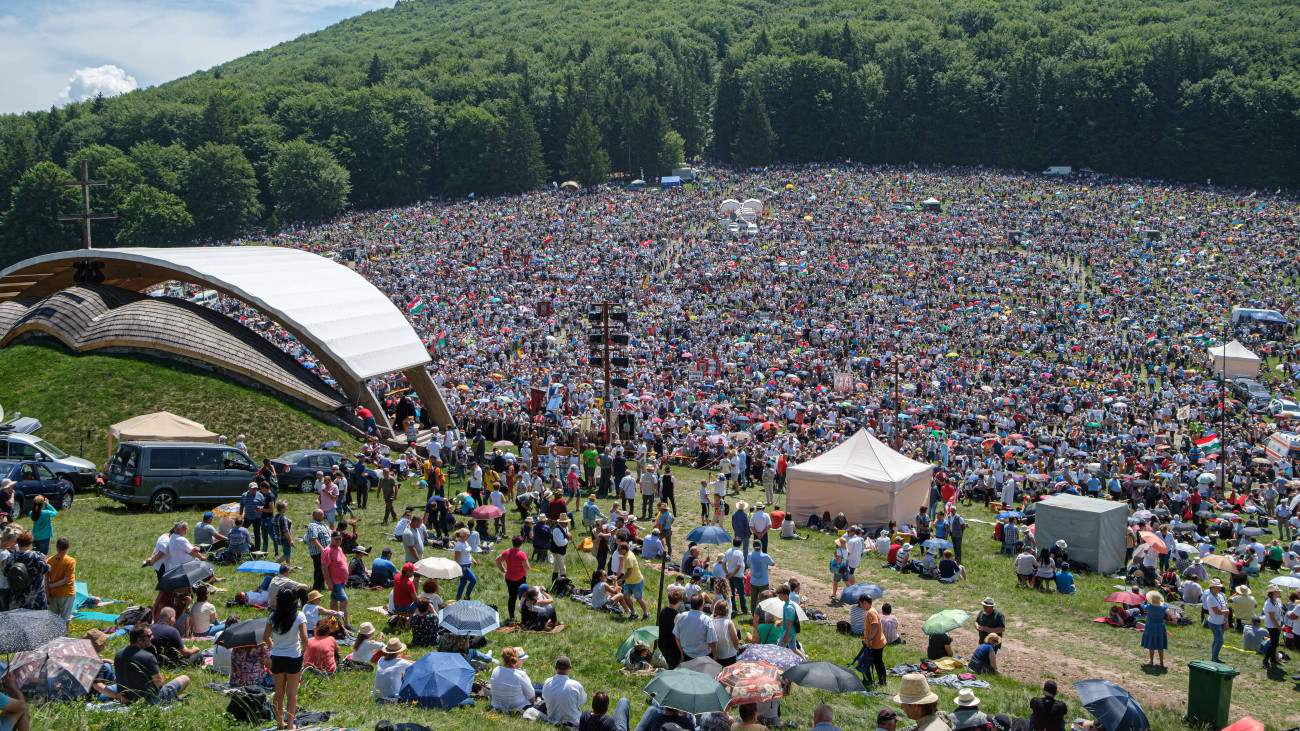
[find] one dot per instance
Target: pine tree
(519, 151)
(375, 76)
(755, 142)
(585, 159)
(726, 108)
(426, 59)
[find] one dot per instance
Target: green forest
(448, 97)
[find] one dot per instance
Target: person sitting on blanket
(424, 625)
(1123, 616)
(537, 609)
(985, 658)
(949, 569)
(638, 658)
(606, 594)
(357, 574)
(366, 644)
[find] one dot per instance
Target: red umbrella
(1153, 540)
(751, 682)
(1126, 597)
(1246, 724)
(487, 512)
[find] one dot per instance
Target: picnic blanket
(1113, 623)
(550, 631)
(97, 616)
(381, 611)
(955, 682)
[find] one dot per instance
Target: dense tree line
(494, 96)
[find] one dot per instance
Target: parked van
(19, 447)
(166, 475)
(206, 297)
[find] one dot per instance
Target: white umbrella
(776, 607)
(438, 568)
(1289, 582)
(1205, 478)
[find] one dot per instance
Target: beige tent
(1234, 359)
(163, 426)
(862, 478)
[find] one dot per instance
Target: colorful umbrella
(228, 510)
(1153, 540)
(60, 670)
(751, 682)
(487, 512)
(772, 655)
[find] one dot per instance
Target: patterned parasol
(751, 682)
(772, 655)
(60, 670)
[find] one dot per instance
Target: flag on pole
(1152, 338)
(441, 341)
(462, 299)
(1209, 442)
(416, 306)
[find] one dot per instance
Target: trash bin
(1209, 692)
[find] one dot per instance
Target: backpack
(17, 575)
(135, 615)
(249, 704)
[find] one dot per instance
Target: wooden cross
(85, 216)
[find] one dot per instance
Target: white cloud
(89, 82)
(156, 40)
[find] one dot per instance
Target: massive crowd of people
(1028, 336)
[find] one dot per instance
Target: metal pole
(898, 441)
(85, 203)
(1223, 386)
(609, 386)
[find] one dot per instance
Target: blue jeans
(254, 526)
(268, 530)
(287, 547)
(1217, 644)
(737, 584)
(42, 546)
(467, 582)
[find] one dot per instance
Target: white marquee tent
(1235, 360)
(862, 478)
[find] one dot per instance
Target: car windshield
(292, 457)
(49, 449)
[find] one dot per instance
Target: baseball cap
(885, 715)
(208, 516)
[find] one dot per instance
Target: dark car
(166, 475)
(34, 478)
(1252, 392)
(299, 467)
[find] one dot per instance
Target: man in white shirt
(389, 670)
(760, 523)
(694, 632)
(1191, 591)
(564, 696)
(179, 549)
(734, 562)
(854, 546)
(413, 540)
(627, 491)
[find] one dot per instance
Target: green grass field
(1049, 636)
(77, 397)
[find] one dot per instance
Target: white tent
(163, 426)
(862, 478)
(1235, 360)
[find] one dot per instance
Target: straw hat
(366, 629)
(1155, 598)
(966, 698)
(564, 520)
(1272, 588)
(1243, 590)
(1215, 582)
(394, 646)
(994, 639)
(6, 483)
(915, 690)
(313, 596)
(741, 505)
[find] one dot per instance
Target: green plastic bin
(1209, 692)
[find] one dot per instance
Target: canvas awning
(862, 478)
(162, 426)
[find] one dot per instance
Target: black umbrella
(22, 630)
(185, 575)
(1204, 514)
(1139, 483)
(245, 634)
(825, 676)
(1112, 706)
(703, 664)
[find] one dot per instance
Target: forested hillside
(489, 96)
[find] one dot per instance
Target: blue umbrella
(259, 567)
(1011, 514)
(438, 680)
(937, 544)
(851, 593)
(710, 535)
(470, 617)
(1112, 706)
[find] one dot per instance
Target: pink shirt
(334, 564)
(329, 495)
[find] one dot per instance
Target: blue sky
(53, 51)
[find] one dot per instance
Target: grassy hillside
(453, 96)
(73, 395)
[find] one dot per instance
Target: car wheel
(163, 501)
(307, 485)
(65, 501)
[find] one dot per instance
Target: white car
(1283, 408)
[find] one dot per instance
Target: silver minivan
(166, 475)
(19, 447)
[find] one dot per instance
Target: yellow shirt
(61, 568)
(632, 569)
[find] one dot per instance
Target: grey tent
(1093, 529)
